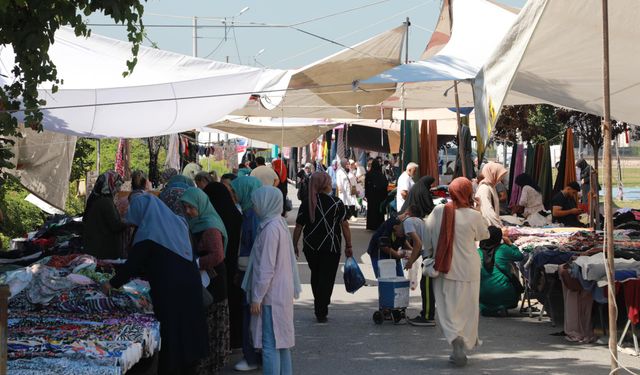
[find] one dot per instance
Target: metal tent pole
(403, 161)
(608, 194)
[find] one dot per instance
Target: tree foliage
(29, 27)
(82, 160)
(533, 123)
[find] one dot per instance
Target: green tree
(82, 160)
(29, 27)
(534, 123)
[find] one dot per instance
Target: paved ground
(350, 343)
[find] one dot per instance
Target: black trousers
(428, 300)
(324, 267)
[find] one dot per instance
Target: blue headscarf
(157, 223)
(244, 187)
(207, 215)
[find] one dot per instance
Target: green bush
(20, 216)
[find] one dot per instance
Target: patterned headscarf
(167, 174)
(319, 182)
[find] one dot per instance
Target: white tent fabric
(544, 58)
(324, 89)
(288, 132)
(466, 51)
(43, 164)
(167, 92)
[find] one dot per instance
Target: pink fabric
(516, 190)
(319, 182)
(119, 158)
(272, 283)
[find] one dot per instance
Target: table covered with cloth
(60, 322)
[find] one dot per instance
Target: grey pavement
(350, 343)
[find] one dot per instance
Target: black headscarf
(525, 180)
(420, 197)
(489, 247)
(221, 200)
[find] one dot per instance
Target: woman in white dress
(489, 202)
(457, 286)
(531, 202)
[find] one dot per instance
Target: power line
(340, 13)
(194, 97)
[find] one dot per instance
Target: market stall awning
(167, 92)
(466, 34)
(324, 89)
(553, 52)
(287, 132)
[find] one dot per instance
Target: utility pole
(195, 36)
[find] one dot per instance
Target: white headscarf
(267, 204)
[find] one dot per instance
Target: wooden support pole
(4, 316)
(608, 194)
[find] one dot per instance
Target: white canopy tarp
(324, 89)
(454, 53)
(287, 132)
(167, 92)
(43, 164)
(553, 52)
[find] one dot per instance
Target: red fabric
(632, 300)
(281, 169)
(461, 192)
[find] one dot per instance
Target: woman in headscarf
(271, 284)
(103, 228)
(452, 231)
(243, 188)
(172, 192)
(492, 173)
(531, 201)
(324, 221)
(209, 242)
(167, 174)
(497, 293)
(420, 197)
(375, 192)
(280, 168)
(162, 252)
(223, 203)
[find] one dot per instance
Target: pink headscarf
(318, 182)
(493, 173)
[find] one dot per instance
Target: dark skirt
(218, 326)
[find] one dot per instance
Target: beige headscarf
(493, 173)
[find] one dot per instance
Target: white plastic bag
(414, 274)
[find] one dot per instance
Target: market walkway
(350, 343)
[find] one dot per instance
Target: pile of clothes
(59, 318)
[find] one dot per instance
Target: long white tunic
(272, 283)
(457, 293)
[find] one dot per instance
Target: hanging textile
(537, 162)
(120, 158)
(368, 138)
(334, 146)
(429, 150)
(326, 145)
(512, 166)
(566, 166)
(410, 141)
(531, 160)
(544, 181)
(314, 151)
(465, 140)
(517, 170)
(341, 151)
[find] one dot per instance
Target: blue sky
(283, 47)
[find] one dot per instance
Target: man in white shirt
(265, 174)
(343, 186)
(405, 182)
